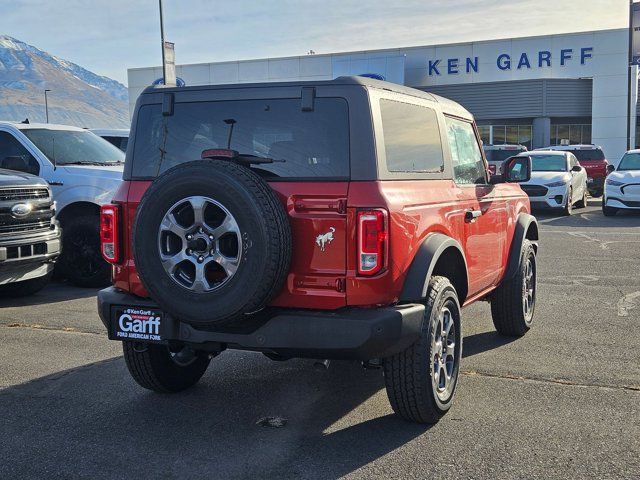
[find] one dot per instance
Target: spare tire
(211, 242)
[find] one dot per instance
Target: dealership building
(536, 91)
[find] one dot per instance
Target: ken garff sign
(504, 61)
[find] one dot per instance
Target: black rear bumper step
(349, 333)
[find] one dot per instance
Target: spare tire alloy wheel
(195, 254)
(211, 242)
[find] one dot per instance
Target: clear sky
(109, 36)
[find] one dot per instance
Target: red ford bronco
(344, 219)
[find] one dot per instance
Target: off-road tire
(583, 201)
(608, 211)
(153, 368)
(80, 261)
(409, 374)
(24, 288)
(507, 303)
(265, 233)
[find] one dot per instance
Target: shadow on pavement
(53, 293)
(589, 219)
(483, 342)
(94, 422)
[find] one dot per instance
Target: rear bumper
(350, 333)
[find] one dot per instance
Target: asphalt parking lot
(562, 402)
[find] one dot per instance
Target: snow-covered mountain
(78, 97)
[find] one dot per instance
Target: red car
(592, 158)
(344, 219)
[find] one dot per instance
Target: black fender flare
(523, 224)
(416, 282)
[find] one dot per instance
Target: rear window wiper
(235, 156)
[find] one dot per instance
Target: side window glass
(468, 166)
(411, 138)
(14, 156)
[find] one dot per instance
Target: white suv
(557, 181)
(622, 187)
(84, 171)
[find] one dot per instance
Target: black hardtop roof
(365, 82)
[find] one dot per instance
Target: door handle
(472, 215)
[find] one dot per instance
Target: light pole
(46, 105)
(164, 65)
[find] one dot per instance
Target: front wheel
(421, 380)
(81, 261)
(514, 301)
(156, 368)
(582, 203)
(568, 207)
(608, 211)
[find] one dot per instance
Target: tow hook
(373, 364)
(321, 365)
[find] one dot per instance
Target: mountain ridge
(78, 96)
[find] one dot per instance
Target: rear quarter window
(412, 139)
(305, 144)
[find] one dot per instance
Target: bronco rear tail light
(372, 241)
(110, 233)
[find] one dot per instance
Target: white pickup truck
(84, 171)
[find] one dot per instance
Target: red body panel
(595, 168)
(327, 279)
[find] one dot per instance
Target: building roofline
(390, 49)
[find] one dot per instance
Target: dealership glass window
(506, 134)
(574, 133)
(411, 137)
(468, 165)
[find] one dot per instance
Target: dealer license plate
(136, 324)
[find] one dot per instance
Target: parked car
(83, 171)
(29, 234)
(622, 187)
(557, 181)
(344, 219)
(497, 154)
(592, 158)
(118, 137)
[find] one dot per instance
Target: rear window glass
(310, 145)
(596, 154)
(501, 155)
(412, 139)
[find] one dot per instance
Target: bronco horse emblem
(323, 240)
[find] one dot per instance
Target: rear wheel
(24, 288)
(156, 368)
(421, 380)
(81, 261)
(514, 301)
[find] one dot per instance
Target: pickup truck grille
(535, 190)
(39, 220)
(8, 194)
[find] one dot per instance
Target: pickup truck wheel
(24, 288)
(81, 261)
(155, 368)
(421, 380)
(513, 303)
(211, 242)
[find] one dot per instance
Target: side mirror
(611, 169)
(576, 168)
(517, 169)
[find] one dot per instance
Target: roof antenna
(25, 121)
